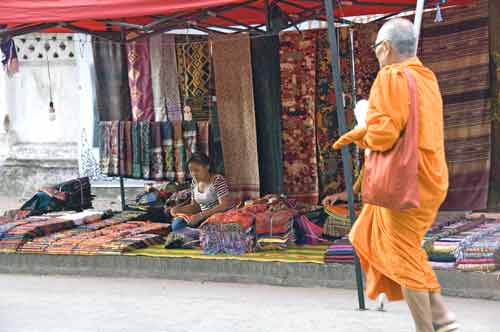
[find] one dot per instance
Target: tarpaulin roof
(153, 15)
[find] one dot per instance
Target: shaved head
(401, 34)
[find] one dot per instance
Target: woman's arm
(191, 208)
(225, 203)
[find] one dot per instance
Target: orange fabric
(388, 242)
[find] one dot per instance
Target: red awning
(90, 14)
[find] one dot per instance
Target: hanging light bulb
(52, 111)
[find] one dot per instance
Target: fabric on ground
(234, 86)
(111, 80)
(298, 97)
(457, 51)
(139, 75)
(267, 96)
(294, 254)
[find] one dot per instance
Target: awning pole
(419, 12)
(346, 160)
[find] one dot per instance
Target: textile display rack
(139, 19)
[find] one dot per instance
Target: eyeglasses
(375, 45)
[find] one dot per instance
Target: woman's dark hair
(200, 159)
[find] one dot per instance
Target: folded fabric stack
(91, 243)
(131, 243)
(79, 193)
(341, 251)
(307, 232)
(232, 233)
(33, 228)
(275, 229)
(337, 223)
(480, 251)
(41, 244)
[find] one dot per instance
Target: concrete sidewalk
(76, 304)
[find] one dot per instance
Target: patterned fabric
(137, 155)
(167, 147)
(494, 17)
(365, 60)
(298, 96)
(158, 75)
(193, 65)
(203, 136)
(331, 175)
(139, 75)
(104, 146)
(236, 112)
(114, 166)
(179, 152)
(156, 152)
(215, 144)
(189, 134)
(128, 148)
(457, 51)
(112, 97)
(146, 149)
(267, 95)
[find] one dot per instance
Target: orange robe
(388, 242)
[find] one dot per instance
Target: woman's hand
(196, 219)
(332, 199)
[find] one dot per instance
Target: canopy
(147, 16)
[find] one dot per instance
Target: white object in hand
(360, 112)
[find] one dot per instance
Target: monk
(388, 242)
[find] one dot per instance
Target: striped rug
(457, 51)
(294, 254)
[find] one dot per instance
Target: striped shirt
(211, 197)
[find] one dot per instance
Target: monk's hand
(332, 199)
(352, 136)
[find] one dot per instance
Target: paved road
(64, 304)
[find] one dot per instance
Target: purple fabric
(139, 74)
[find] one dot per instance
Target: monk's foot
(450, 326)
(381, 302)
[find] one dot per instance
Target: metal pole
(123, 35)
(419, 12)
(334, 48)
(357, 162)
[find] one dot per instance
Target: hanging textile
(136, 144)
(298, 97)
(331, 173)
(139, 74)
(494, 18)
(189, 134)
(158, 77)
(179, 152)
(458, 53)
(105, 146)
(168, 150)
(215, 144)
(111, 80)
(10, 62)
(167, 99)
(156, 152)
(267, 96)
(194, 72)
(236, 111)
(114, 165)
(202, 138)
(146, 149)
(367, 65)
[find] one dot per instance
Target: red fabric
(83, 13)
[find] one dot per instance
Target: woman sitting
(209, 195)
